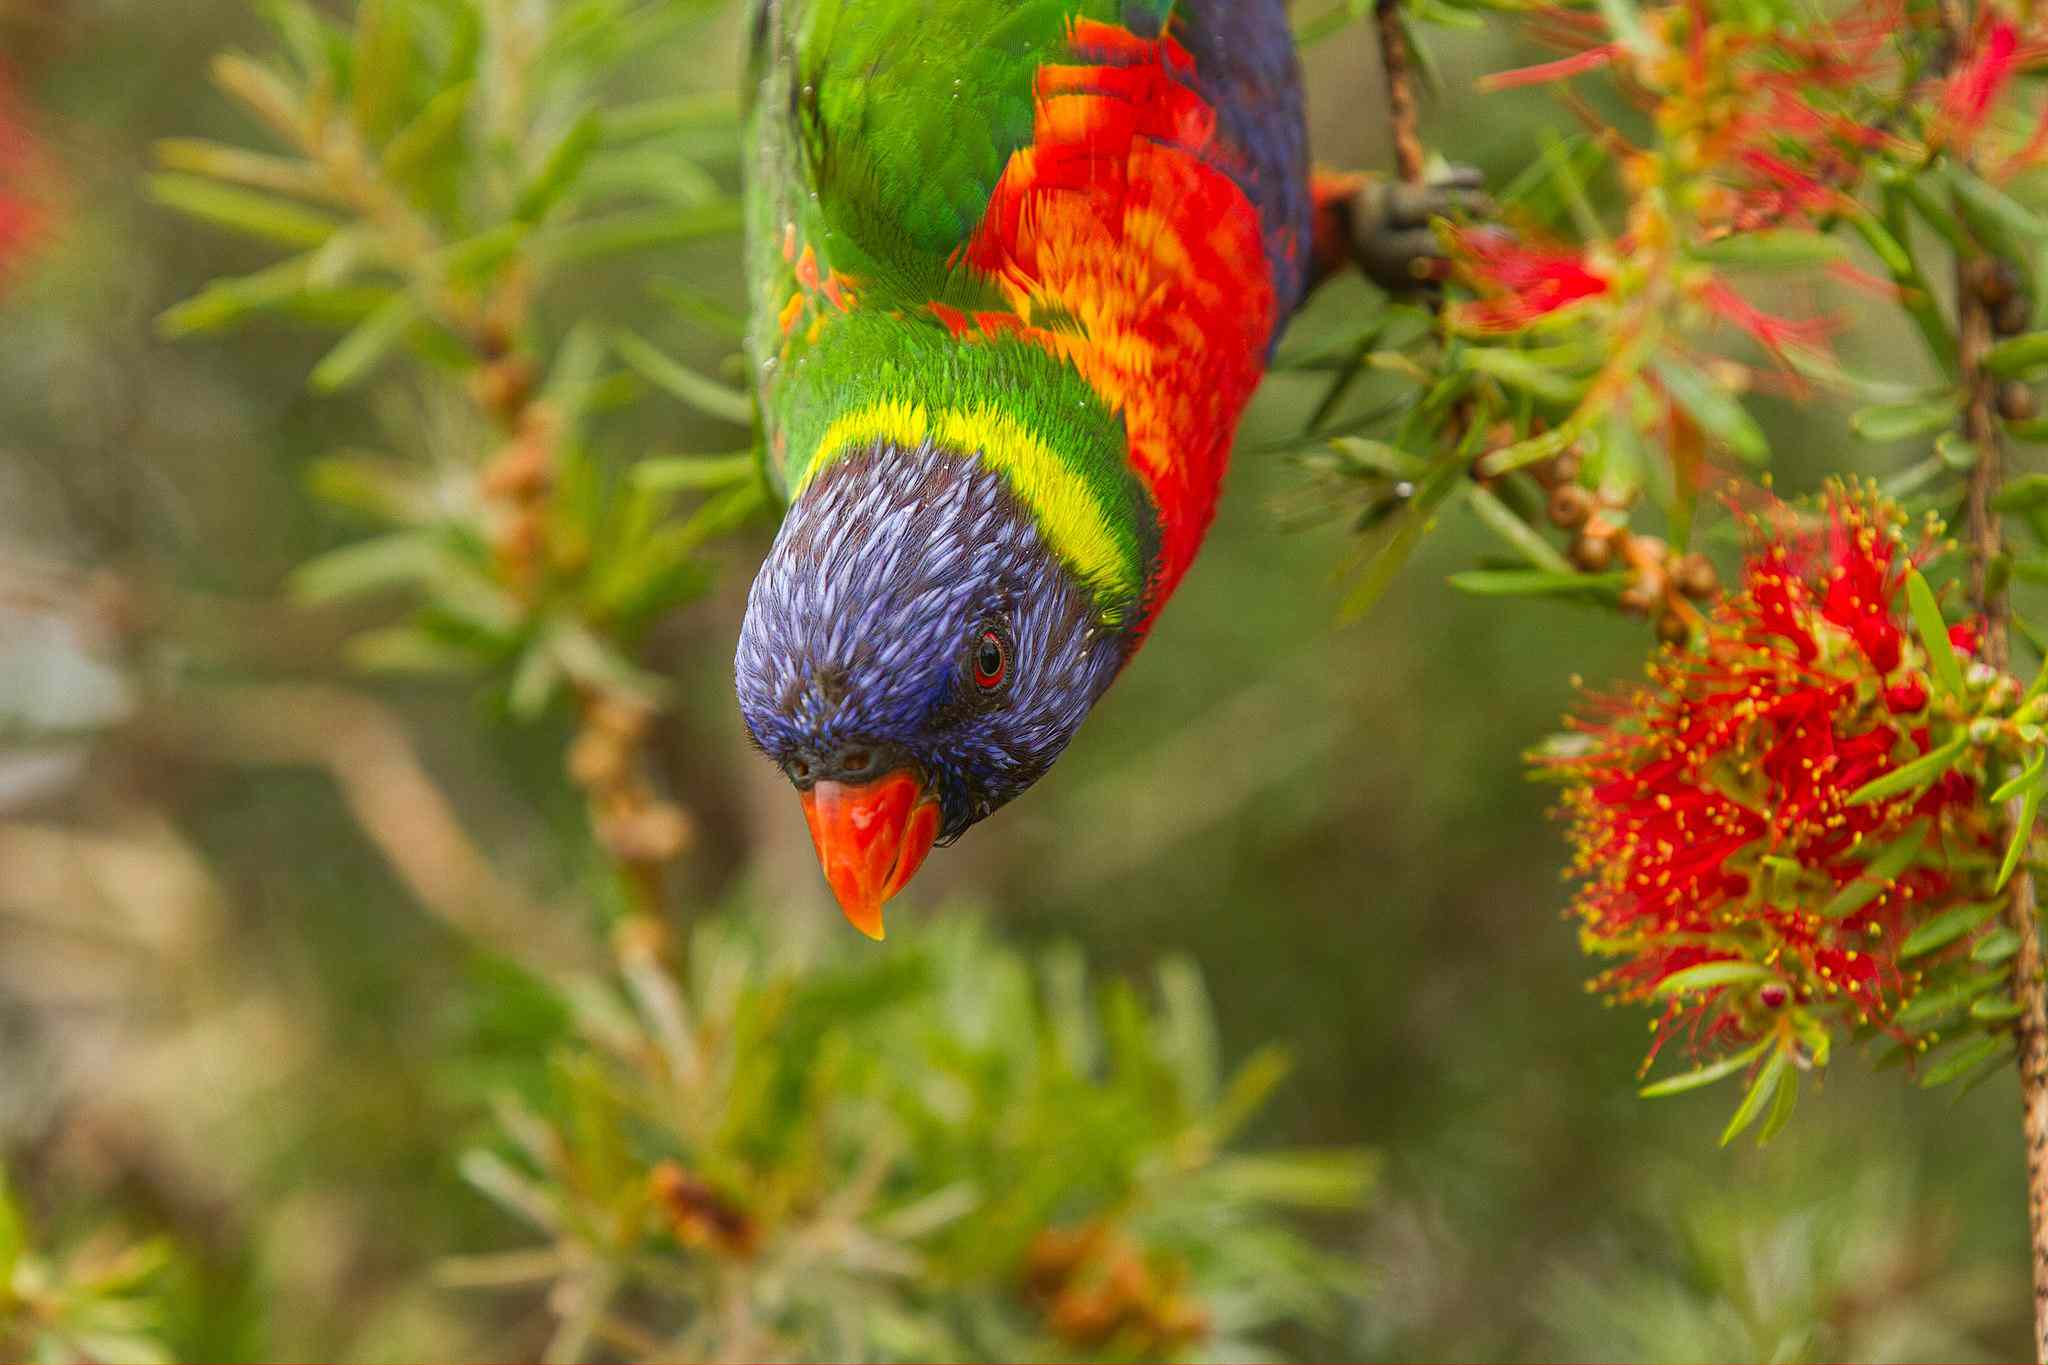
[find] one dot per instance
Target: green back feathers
(877, 376)
(878, 130)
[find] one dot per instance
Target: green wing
(877, 131)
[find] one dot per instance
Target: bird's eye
(990, 660)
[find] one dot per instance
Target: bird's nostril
(857, 760)
(799, 769)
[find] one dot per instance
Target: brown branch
(402, 810)
(1987, 593)
(1402, 117)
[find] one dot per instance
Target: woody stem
(2030, 1029)
(1408, 158)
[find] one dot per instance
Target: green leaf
(2018, 356)
(1718, 412)
(1899, 421)
(1333, 1180)
(1625, 21)
(1946, 927)
(1933, 632)
(1412, 523)
(685, 385)
(2034, 430)
(382, 65)
(695, 473)
(1709, 975)
(1911, 776)
(405, 558)
(559, 169)
(408, 649)
(2022, 494)
(1247, 1091)
(2022, 837)
(306, 34)
(1914, 294)
(1519, 535)
(2025, 779)
(1705, 1075)
(1884, 867)
(360, 351)
(245, 211)
(1773, 248)
(620, 233)
(1957, 451)
(1995, 214)
(1537, 583)
(1996, 946)
(1763, 1090)
(1930, 1006)
(701, 308)
(1518, 370)
(258, 170)
(1961, 1060)
(656, 117)
(225, 302)
(414, 147)
(1782, 1105)
(1995, 1009)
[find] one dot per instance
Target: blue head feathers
(910, 616)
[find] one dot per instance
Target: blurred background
(270, 926)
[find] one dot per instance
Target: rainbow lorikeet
(1016, 268)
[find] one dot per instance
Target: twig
(402, 810)
(2030, 1029)
(1402, 118)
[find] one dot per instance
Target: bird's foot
(1384, 226)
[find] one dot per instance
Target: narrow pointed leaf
(1996, 946)
(2022, 837)
(361, 350)
(1705, 1075)
(1782, 1106)
(1518, 534)
(2020, 355)
(685, 385)
(1537, 583)
(245, 211)
(1960, 1061)
(1708, 975)
(1933, 632)
(1760, 1093)
(1902, 421)
(1885, 865)
(2028, 777)
(1719, 413)
(693, 473)
(1995, 1009)
(1946, 927)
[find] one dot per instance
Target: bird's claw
(1390, 232)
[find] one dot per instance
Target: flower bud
(2012, 317)
(1570, 506)
(1906, 698)
(2016, 401)
(1696, 577)
(1593, 553)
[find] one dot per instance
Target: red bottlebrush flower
(1975, 85)
(1775, 334)
(1710, 809)
(1592, 59)
(23, 216)
(1521, 282)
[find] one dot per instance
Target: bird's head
(914, 656)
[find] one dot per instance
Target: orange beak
(871, 840)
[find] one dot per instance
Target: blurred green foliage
(294, 964)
